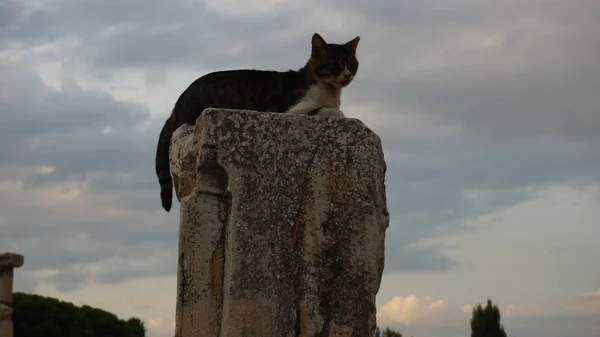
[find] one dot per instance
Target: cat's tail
(163, 167)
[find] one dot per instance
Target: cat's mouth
(341, 83)
(345, 83)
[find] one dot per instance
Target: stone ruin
(282, 225)
(8, 261)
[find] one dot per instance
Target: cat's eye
(352, 65)
(329, 68)
(334, 67)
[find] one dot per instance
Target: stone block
(11, 260)
(282, 225)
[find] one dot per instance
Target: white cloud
(154, 323)
(158, 327)
(410, 309)
(437, 305)
(593, 294)
(527, 241)
(584, 304)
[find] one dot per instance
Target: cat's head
(334, 64)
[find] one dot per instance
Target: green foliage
(387, 332)
(486, 321)
(36, 315)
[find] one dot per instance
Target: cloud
(117, 270)
(585, 304)
(579, 305)
(158, 327)
(409, 310)
(74, 132)
(467, 309)
(74, 165)
(73, 277)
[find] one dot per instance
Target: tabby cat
(314, 89)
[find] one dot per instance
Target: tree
(36, 315)
(136, 327)
(387, 333)
(390, 333)
(486, 321)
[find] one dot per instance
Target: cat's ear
(318, 45)
(352, 44)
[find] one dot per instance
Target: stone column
(282, 225)
(8, 261)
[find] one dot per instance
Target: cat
(314, 89)
(324, 97)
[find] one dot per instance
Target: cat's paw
(332, 112)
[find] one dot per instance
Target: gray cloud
(73, 246)
(24, 281)
(119, 271)
(146, 34)
(31, 23)
(402, 258)
(69, 279)
(65, 129)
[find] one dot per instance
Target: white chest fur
(319, 97)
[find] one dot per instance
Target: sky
(489, 114)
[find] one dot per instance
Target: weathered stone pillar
(8, 262)
(282, 226)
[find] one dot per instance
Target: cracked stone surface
(282, 225)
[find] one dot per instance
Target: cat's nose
(346, 75)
